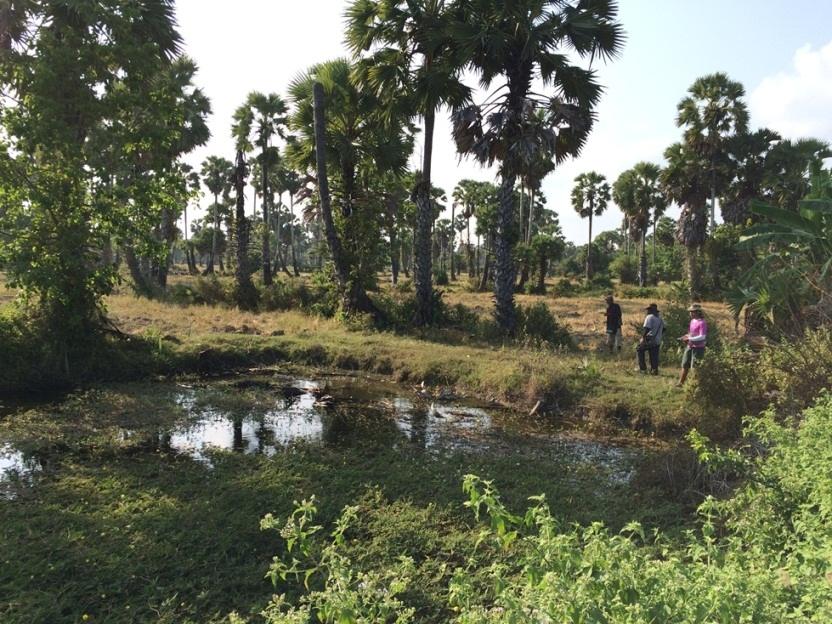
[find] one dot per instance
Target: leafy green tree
(256, 123)
(639, 196)
(590, 197)
(517, 44)
(712, 113)
(412, 62)
(464, 195)
(216, 175)
(77, 77)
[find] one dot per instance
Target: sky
(780, 50)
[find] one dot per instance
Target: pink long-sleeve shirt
(697, 333)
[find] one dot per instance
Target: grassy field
(584, 387)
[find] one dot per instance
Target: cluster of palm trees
(717, 159)
(410, 61)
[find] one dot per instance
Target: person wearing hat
(695, 341)
(651, 340)
(614, 322)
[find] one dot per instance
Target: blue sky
(780, 50)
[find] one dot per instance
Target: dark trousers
(653, 351)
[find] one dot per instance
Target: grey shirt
(655, 326)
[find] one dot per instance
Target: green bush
(538, 326)
(325, 293)
(440, 277)
(760, 556)
(202, 291)
(565, 287)
(625, 268)
(285, 294)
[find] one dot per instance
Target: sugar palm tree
(412, 63)
(590, 197)
(360, 142)
(710, 115)
(686, 181)
(216, 176)
(516, 44)
(464, 195)
(256, 123)
(639, 196)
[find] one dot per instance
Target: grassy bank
(121, 528)
(583, 385)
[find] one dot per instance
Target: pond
(266, 413)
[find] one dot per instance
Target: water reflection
(265, 415)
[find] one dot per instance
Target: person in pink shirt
(695, 341)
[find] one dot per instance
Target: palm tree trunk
(422, 234)
(477, 265)
(654, 245)
(292, 234)
(531, 216)
(589, 250)
(692, 269)
(210, 267)
(486, 269)
(541, 277)
(469, 251)
(266, 260)
(504, 269)
(245, 294)
(453, 244)
(520, 219)
(642, 265)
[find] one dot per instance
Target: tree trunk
(531, 217)
(692, 269)
(520, 219)
(469, 251)
(245, 293)
(210, 267)
(422, 261)
(504, 269)
(394, 251)
(477, 263)
(140, 282)
(266, 259)
(168, 238)
(486, 269)
(589, 250)
(453, 244)
(642, 260)
(541, 278)
(292, 234)
(654, 246)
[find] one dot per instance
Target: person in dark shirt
(614, 322)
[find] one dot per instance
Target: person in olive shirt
(614, 322)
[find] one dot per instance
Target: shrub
(324, 293)
(202, 291)
(537, 325)
(440, 277)
(285, 294)
(625, 268)
(404, 286)
(564, 287)
(760, 556)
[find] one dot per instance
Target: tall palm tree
(245, 294)
(710, 115)
(360, 143)
(686, 181)
(216, 176)
(639, 196)
(464, 195)
(410, 60)
(516, 44)
(590, 197)
(256, 123)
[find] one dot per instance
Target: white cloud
(797, 103)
